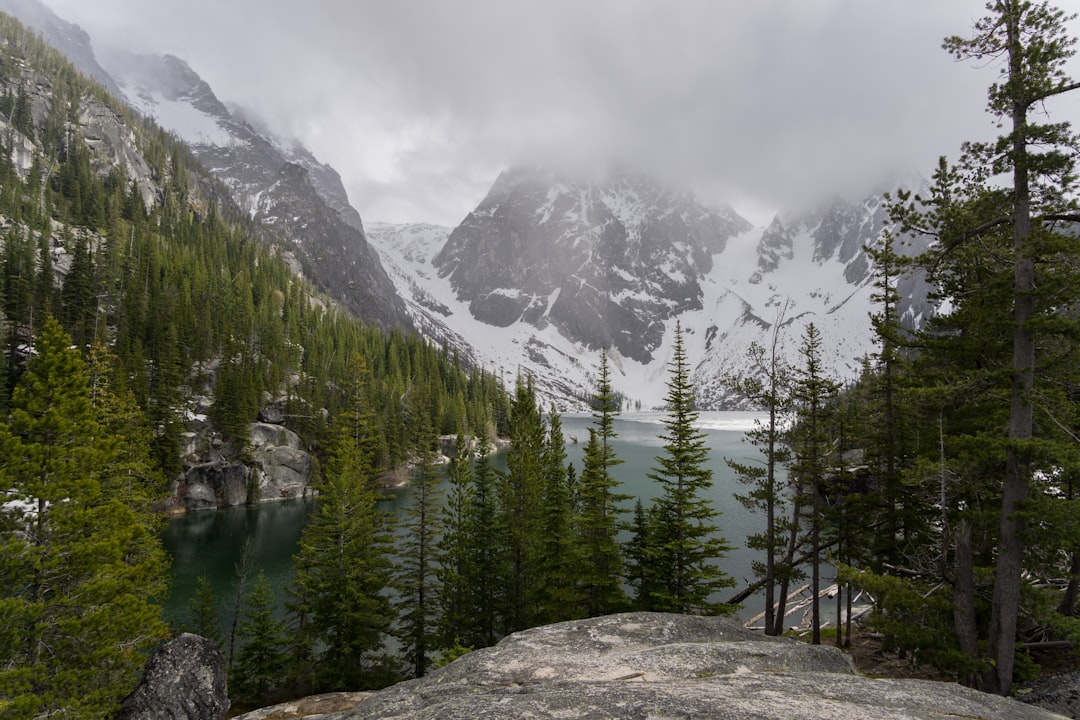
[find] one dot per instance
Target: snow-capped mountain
(630, 259)
(606, 262)
(279, 182)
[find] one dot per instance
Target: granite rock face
(184, 680)
(655, 665)
(605, 261)
(282, 469)
(215, 484)
(278, 182)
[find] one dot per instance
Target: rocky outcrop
(67, 37)
(184, 680)
(653, 665)
(214, 484)
(315, 706)
(282, 469)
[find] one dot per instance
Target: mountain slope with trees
(129, 282)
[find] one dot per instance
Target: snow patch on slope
(179, 116)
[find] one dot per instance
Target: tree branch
(1055, 91)
(1066, 217)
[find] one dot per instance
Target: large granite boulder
(184, 680)
(215, 484)
(282, 469)
(654, 665)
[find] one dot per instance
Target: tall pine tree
(599, 507)
(82, 574)
(683, 522)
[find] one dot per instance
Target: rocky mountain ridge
(278, 182)
(551, 266)
(546, 271)
(607, 263)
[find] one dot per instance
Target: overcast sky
(420, 103)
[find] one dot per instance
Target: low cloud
(419, 104)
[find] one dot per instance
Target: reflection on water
(209, 543)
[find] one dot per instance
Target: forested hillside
(112, 227)
(130, 284)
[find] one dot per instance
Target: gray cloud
(420, 103)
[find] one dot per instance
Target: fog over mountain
(603, 193)
(420, 104)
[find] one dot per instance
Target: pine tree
(343, 566)
(812, 447)
(260, 661)
(83, 578)
(683, 521)
(1031, 39)
(454, 551)
(78, 297)
(640, 574)
(560, 596)
(1017, 314)
(519, 520)
(486, 558)
(770, 390)
(203, 612)
(888, 445)
(599, 507)
(417, 580)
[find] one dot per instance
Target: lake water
(209, 543)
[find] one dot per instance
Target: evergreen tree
(683, 522)
(769, 389)
(416, 576)
(519, 520)
(888, 445)
(204, 614)
(599, 507)
(812, 446)
(640, 573)
(78, 298)
(260, 661)
(485, 557)
(82, 578)
(1013, 322)
(343, 565)
(1031, 38)
(455, 552)
(22, 118)
(560, 597)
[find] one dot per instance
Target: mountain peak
(607, 258)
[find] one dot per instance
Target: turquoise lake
(209, 543)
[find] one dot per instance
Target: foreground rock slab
(656, 666)
(184, 680)
(314, 706)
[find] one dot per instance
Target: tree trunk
(789, 561)
(839, 614)
(1014, 491)
(770, 529)
(815, 576)
(964, 620)
(1068, 600)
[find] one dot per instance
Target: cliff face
(606, 262)
(655, 665)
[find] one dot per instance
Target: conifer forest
(940, 482)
